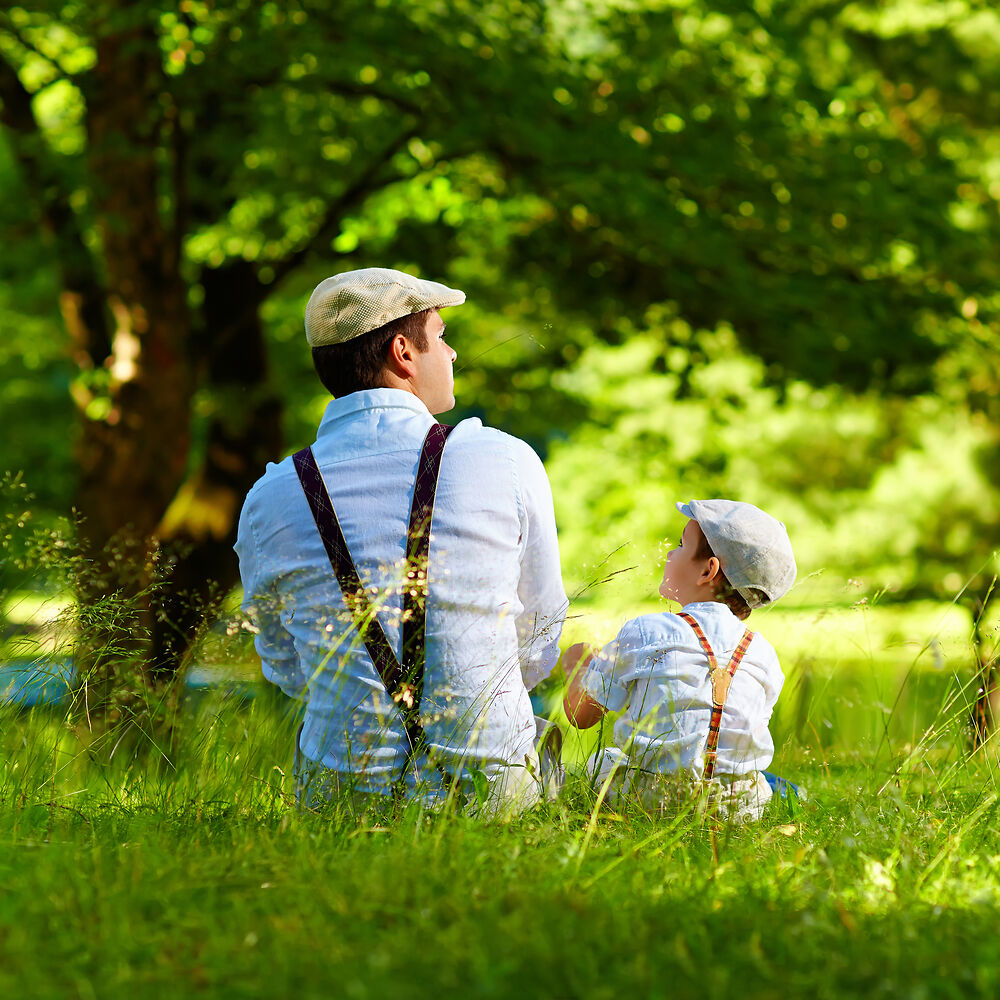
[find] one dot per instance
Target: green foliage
(34, 372)
(710, 247)
(891, 493)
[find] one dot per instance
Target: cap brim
(454, 297)
(686, 510)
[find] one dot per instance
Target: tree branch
(354, 195)
(346, 88)
(368, 183)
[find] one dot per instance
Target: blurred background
(738, 249)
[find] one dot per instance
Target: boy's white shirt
(656, 670)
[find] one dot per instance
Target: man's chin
(444, 407)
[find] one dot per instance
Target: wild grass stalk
(188, 869)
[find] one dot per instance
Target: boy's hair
(726, 592)
(359, 363)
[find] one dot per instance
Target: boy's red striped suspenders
(721, 679)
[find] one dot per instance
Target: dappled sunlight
(709, 249)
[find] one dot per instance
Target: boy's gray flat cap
(752, 547)
(356, 302)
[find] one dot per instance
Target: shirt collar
(370, 399)
(709, 608)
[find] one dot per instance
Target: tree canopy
(714, 246)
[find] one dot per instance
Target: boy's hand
(576, 658)
(581, 710)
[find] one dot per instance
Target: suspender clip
(721, 679)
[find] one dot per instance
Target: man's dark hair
(727, 593)
(359, 363)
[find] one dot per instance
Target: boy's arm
(602, 681)
(581, 710)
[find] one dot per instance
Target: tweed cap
(357, 302)
(752, 547)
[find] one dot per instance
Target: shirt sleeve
(772, 684)
(278, 657)
(609, 674)
(540, 587)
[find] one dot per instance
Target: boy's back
(657, 671)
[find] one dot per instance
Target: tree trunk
(244, 431)
(134, 441)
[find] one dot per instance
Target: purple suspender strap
(403, 681)
(418, 535)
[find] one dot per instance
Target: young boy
(697, 688)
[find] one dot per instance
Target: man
(485, 625)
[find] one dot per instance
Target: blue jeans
(781, 786)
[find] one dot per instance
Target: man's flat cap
(357, 302)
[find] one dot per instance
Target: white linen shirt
(657, 671)
(496, 600)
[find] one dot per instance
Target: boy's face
(687, 578)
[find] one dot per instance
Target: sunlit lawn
(122, 875)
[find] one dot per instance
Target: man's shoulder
(473, 429)
(277, 476)
(472, 435)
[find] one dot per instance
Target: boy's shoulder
(660, 626)
(721, 624)
(667, 627)
(762, 642)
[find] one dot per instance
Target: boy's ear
(711, 571)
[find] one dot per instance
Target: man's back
(494, 588)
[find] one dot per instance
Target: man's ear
(399, 357)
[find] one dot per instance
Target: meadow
(710, 249)
(124, 872)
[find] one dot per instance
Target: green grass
(122, 877)
(865, 901)
(124, 874)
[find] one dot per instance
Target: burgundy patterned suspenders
(403, 681)
(722, 677)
